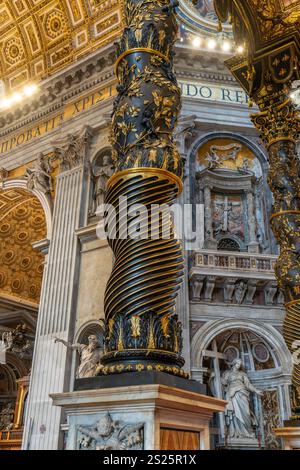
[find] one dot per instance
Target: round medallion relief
(13, 51)
(231, 353)
(260, 352)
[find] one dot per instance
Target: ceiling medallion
(200, 17)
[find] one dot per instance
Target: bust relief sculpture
(103, 169)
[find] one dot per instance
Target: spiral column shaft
(142, 328)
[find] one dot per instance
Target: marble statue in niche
(108, 434)
(245, 169)
(90, 356)
(240, 419)
(103, 169)
(39, 177)
(7, 417)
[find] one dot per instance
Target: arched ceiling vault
(39, 37)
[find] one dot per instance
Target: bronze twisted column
(279, 128)
(266, 72)
(142, 328)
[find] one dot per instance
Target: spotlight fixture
(211, 44)
(196, 41)
(29, 90)
(226, 46)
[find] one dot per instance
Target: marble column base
(136, 417)
(290, 434)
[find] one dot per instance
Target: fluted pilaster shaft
(51, 362)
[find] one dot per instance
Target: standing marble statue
(102, 174)
(239, 416)
(39, 177)
(90, 356)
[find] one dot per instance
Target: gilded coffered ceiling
(39, 37)
(22, 222)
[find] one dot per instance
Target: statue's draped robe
(89, 361)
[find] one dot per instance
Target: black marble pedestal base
(139, 378)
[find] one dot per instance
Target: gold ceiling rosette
(270, 30)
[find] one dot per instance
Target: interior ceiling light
(17, 97)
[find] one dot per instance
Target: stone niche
(230, 185)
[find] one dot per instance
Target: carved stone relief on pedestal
(110, 434)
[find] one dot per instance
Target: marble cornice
(202, 75)
(98, 69)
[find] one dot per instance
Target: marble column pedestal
(290, 434)
(157, 414)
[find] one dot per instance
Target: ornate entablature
(229, 179)
(40, 37)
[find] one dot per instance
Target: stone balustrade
(234, 277)
(232, 262)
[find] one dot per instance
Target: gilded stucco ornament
(267, 73)
(142, 329)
